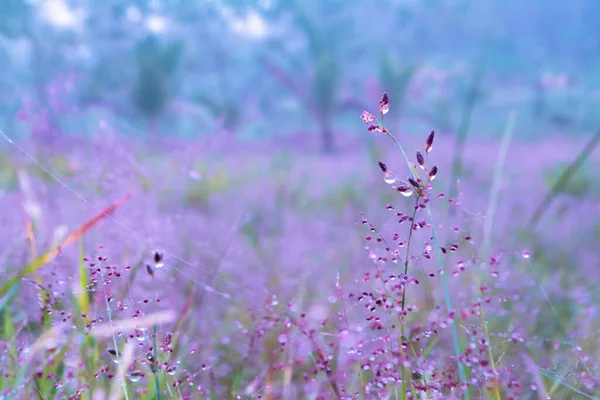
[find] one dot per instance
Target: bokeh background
(235, 125)
(299, 69)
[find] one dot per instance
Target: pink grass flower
(367, 117)
(375, 128)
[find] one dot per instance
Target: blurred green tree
(15, 18)
(319, 89)
(156, 64)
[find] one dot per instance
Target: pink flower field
(283, 199)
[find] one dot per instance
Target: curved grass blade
(71, 238)
(564, 179)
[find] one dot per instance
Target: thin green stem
(402, 324)
(498, 172)
(564, 179)
(461, 368)
(412, 226)
(489, 223)
(440, 261)
(114, 337)
(155, 355)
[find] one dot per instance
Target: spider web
(141, 239)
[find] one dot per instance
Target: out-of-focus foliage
(156, 65)
(15, 18)
(306, 68)
(287, 269)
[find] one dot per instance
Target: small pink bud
(404, 189)
(421, 160)
(433, 173)
(429, 142)
(384, 104)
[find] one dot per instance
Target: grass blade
(564, 179)
(71, 238)
(84, 296)
(489, 223)
(463, 130)
(440, 262)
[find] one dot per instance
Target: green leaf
(84, 295)
(9, 296)
(9, 327)
(237, 379)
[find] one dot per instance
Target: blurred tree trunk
(327, 139)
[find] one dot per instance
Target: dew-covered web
(146, 241)
(111, 307)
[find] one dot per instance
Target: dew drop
(282, 339)
(158, 258)
(172, 370)
(389, 178)
(135, 376)
(140, 336)
(406, 193)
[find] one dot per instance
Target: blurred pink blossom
(367, 117)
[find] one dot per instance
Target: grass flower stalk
(384, 108)
(114, 336)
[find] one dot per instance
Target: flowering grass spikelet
(384, 104)
(367, 117)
